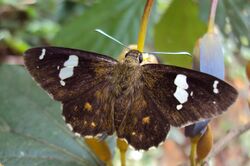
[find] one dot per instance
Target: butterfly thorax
(127, 73)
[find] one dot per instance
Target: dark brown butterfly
(139, 102)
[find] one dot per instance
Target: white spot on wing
(152, 148)
(178, 107)
(62, 83)
(58, 67)
(214, 102)
(99, 135)
(216, 90)
(181, 81)
(191, 94)
(42, 54)
(70, 127)
(77, 134)
(181, 94)
(68, 70)
(72, 61)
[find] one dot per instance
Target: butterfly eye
(126, 55)
(140, 58)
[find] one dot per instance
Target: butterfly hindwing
(91, 113)
(185, 96)
(142, 124)
(66, 73)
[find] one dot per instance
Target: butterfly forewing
(81, 80)
(67, 73)
(185, 96)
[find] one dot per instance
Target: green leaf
(118, 18)
(178, 30)
(32, 131)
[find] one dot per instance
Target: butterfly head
(134, 57)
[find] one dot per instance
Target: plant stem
(123, 147)
(225, 141)
(192, 156)
(101, 149)
(212, 16)
(143, 25)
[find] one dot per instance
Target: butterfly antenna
(110, 37)
(175, 53)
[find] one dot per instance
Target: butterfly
(139, 102)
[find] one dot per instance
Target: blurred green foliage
(30, 122)
(232, 18)
(176, 32)
(119, 18)
(72, 23)
(32, 131)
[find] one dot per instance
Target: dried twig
(223, 142)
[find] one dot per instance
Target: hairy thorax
(126, 78)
